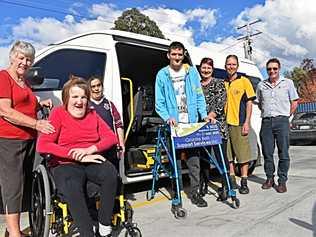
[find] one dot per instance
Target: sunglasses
(272, 68)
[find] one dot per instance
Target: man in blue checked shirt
(277, 99)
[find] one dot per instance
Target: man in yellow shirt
(240, 95)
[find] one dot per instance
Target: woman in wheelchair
(75, 149)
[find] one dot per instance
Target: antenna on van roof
(247, 38)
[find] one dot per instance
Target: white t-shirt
(178, 78)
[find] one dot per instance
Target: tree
(136, 22)
(304, 77)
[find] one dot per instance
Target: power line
(276, 41)
(230, 46)
(50, 10)
(73, 14)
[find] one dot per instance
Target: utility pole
(247, 38)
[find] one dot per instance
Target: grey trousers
(192, 161)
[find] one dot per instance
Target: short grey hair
(22, 47)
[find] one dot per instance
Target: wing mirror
(34, 76)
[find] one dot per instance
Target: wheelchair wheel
(133, 232)
(39, 216)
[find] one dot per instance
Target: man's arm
(160, 100)
(293, 96)
(294, 104)
(246, 125)
(258, 96)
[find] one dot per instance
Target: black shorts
(16, 158)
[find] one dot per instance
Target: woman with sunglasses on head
(215, 97)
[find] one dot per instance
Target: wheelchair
(49, 214)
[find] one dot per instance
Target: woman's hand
(44, 126)
(48, 103)
(93, 159)
(79, 153)
(212, 117)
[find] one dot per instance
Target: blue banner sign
(195, 135)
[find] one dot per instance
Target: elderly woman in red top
(18, 128)
(81, 135)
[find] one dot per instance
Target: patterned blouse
(215, 97)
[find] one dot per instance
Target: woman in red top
(81, 135)
(18, 127)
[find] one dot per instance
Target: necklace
(206, 82)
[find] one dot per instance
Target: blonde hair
(22, 47)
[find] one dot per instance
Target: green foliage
(304, 79)
(297, 74)
(134, 21)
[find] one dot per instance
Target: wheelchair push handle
(45, 110)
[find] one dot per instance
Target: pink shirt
(74, 133)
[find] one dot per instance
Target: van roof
(120, 34)
(245, 65)
(196, 54)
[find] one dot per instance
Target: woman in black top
(215, 97)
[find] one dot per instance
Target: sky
(288, 26)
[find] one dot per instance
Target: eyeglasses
(272, 68)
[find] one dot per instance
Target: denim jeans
(275, 130)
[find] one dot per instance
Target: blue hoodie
(166, 103)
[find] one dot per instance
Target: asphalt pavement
(261, 213)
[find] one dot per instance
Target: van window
(222, 74)
(57, 66)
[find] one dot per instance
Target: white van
(128, 64)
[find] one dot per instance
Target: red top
(74, 133)
(23, 100)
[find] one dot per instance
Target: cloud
(206, 17)
(172, 23)
(175, 24)
(288, 29)
(43, 31)
(287, 26)
(105, 10)
(4, 59)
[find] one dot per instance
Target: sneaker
(197, 200)
(243, 186)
